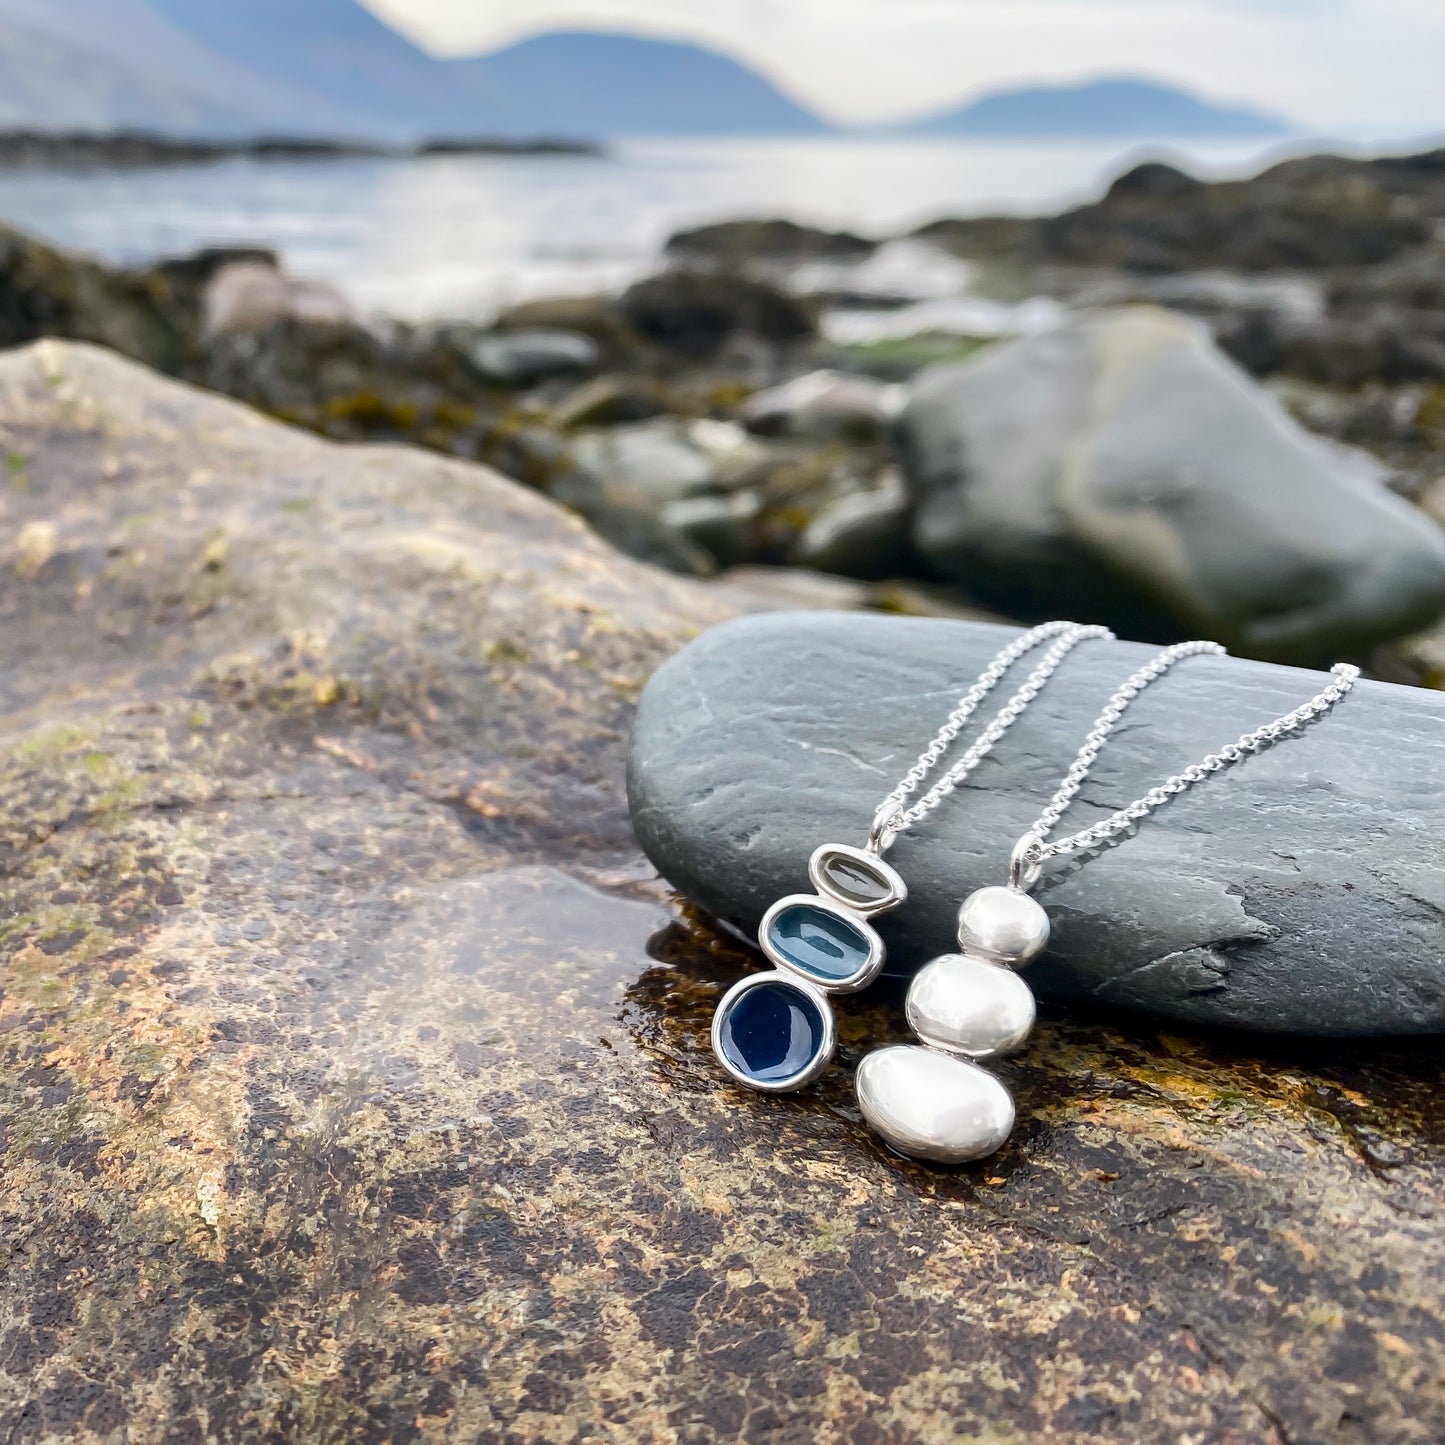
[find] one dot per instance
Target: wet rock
(594, 316)
(624, 482)
(608, 401)
(194, 271)
(789, 589)
(331, 973)
(750, 751)
(723, 527)
(757, 588)
(1314, 212)
(738, 242)
(864, 534)
(247, 297)
(824, 406)
(1120, 469)
(48, 292)
(738, 460)
(527, 357)
(1345, 350)
(687, 486)
(1382, 324)
(694, 313)
(646, 464)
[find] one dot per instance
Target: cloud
(1332, 65)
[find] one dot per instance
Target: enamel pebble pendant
(775, 1031)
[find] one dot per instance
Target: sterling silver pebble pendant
(932, 1100)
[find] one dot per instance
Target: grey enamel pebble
(1301, 892)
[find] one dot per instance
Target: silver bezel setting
(814, 994)
(898, 889)
(854, 983)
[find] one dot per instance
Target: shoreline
(32, 150)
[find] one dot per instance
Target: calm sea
(458, 237)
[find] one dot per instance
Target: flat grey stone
(1301, 892)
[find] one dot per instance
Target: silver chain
(1034, 849)
(891, 817)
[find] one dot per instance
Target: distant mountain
(584, 83)
(238, 68)
(230, 68)
(1113, 109)
(107, 64)
(344, 60)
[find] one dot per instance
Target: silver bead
(1002, 925)
(970, 1006)
(933, 1106)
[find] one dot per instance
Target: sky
(1337, 67)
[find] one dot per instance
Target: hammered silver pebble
(1003, 925)
(970, 1006)
(933, 1106)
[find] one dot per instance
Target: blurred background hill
(332, 68)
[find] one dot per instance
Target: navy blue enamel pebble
(819, 943)
(772, 1033)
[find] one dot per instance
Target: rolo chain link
(1034, 848)
(891, 817)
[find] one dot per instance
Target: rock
(623, 482)
(1288, 897)
(752, 588)
(645, 464)
(694, 313)
(824, 406)
(721, 526)
(1120, 469)
(1380, 324)
(900, 273)
(524, 358)
(1309, 213)
(608, 401)
(356, 1072)
(246, 297)
(863, 534)
(594, 316)
(789, 589)
(739, 242)
(48, 292)
(194, 271)
(738, 461)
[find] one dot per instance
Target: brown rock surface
(354, 1080)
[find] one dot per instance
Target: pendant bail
(882, 833)
(1025, 867)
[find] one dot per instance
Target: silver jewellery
(931, 1100)
(775, 1031)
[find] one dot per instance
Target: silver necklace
(775, 1031)
(931, 1100)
